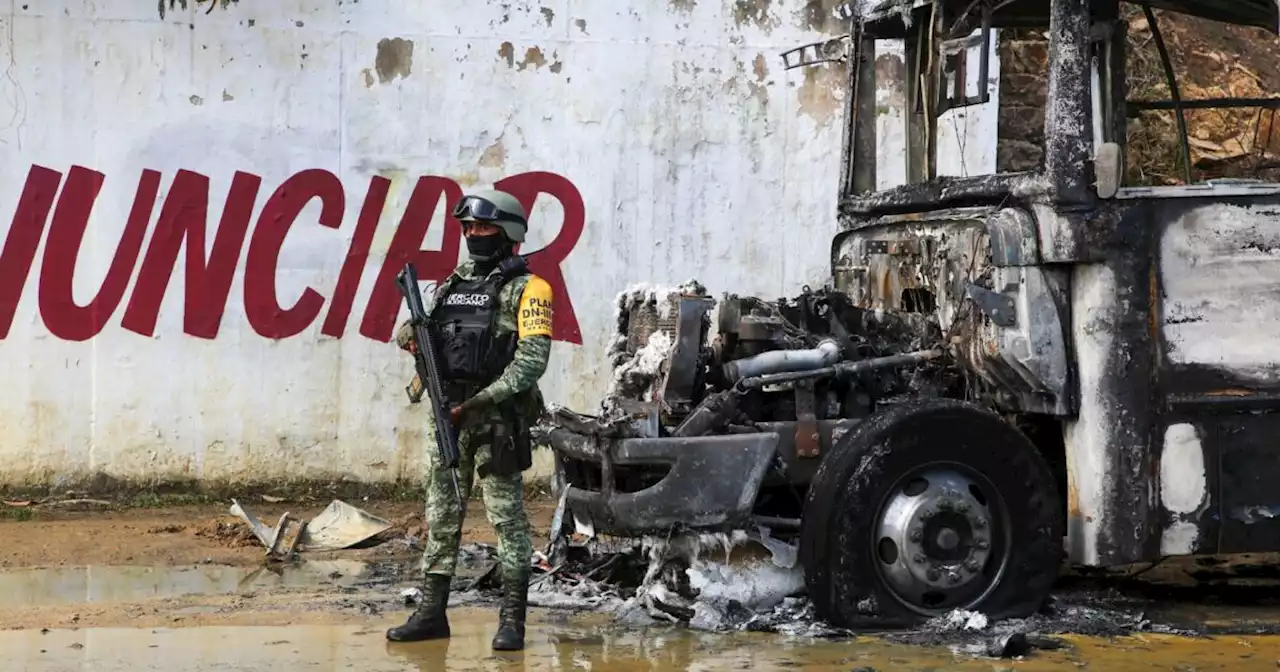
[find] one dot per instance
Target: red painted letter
(208, 280)
(63, 317)
(24, 237)
(385, 301)
(546, 262)
(344, 295)
(261, 304)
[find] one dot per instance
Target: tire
(867, 488)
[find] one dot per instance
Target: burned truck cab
(1010, 366)
(1112, 315)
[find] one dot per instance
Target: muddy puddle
(563, 642)
(338, 619)
(47, 586)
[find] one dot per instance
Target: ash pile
(712, 582)
(751, 581)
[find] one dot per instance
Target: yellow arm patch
(535, 308)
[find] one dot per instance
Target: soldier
(492, 319)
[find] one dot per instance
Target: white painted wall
(693, 152)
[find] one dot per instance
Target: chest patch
(477, 300)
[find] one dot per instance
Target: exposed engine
(690, 372)
(811, 357)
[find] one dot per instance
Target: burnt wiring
(965, 316)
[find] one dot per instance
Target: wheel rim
(941, 538)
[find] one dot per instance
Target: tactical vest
(465, 321)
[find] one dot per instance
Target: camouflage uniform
(493, 319)
(503, 494)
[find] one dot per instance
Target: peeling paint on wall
(756, 13)
(761, 67)
(675, 132)
(820, 15)
(532, 56)
(760, 87)
(494, 155)
(394, 59)
(508, 9)
(820, 95)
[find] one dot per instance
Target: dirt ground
(206, 534)
(152, 588)
(116, 567)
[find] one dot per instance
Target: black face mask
(486, 248)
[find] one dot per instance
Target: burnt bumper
(633, 487)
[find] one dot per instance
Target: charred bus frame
(1075, 218)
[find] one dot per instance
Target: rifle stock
(426, 362)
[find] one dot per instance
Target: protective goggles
(481, 210)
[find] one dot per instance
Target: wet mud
(49, 586)
(556, 641)
(209, 534)
(703, 603)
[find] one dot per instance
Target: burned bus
(1007, 371)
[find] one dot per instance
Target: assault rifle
(428, 364)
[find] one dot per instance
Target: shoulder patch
(534, 316)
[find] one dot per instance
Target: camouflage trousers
(503, 503)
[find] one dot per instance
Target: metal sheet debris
(339, 526)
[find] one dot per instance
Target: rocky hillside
(1210, 60)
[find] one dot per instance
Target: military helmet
(494, 207)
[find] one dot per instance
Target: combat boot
(515, 601)
(429, 620)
